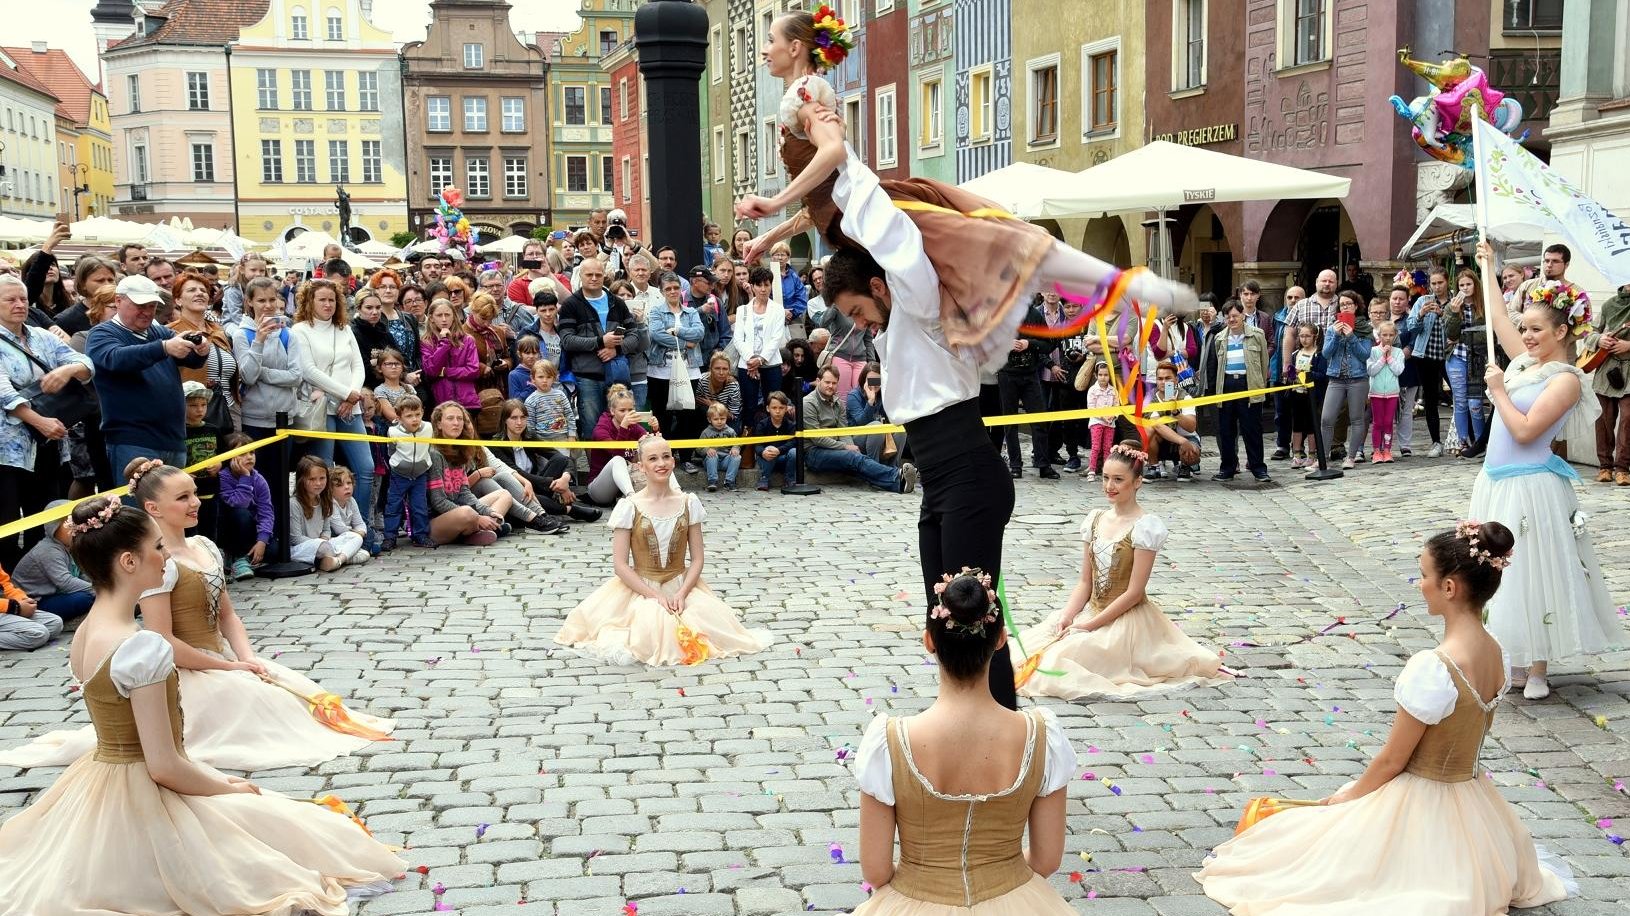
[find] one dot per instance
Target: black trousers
(1432, 378)
(1282, 419)
(675, 424)
(1236, 418)
(1024, 389)
(547, 466)
(967, 501)
(22, 493)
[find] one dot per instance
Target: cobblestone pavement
(533, 782)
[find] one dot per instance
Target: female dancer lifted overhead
(989, 263)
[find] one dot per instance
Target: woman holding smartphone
(267, 374)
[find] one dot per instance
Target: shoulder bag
(74, 403)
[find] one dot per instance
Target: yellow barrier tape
(50, 515)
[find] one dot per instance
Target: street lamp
(84, 186)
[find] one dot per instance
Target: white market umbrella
(1163, 176)
(376, 248)
(1020, 188)
(309, 244)
(1455, 226)
(510, 244)
(17, 230)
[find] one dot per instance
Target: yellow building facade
(317, 105)
(95, 150)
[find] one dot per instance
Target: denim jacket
(668, 333)
(1346, 356)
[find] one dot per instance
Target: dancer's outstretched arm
(824, 129)
(780, 232)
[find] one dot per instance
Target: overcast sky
(69, 26)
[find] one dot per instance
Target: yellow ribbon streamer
(981, 213)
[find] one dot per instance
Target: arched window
(297, 24)
(336, 25)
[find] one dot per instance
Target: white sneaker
(1537, 688)
(1436, 451)
(359, 558)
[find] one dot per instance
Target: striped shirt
(549, 414)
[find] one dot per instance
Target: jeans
(235, 530)
(121, 454)
(843, 460)
(355, 455)
(786, 463)
(872, 446)
(729, 458)
(591, 403)
(1239, 418)
(1468, 411)
(68, 605)
(28, 633)
(639, 388)
(753, 391)
(411, 490)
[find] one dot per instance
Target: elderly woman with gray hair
(34, 364)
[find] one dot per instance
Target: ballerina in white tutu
(656, 609)
(243, 712)
(136, 825)
(1554, 604)
(1110, 639)
(960, 783)
(1422, 832)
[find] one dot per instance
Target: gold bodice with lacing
(1448, 751)
(1111, 566)
(117, 740)
(649, 561)
(195, 605)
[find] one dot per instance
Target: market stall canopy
(377, 249)
(509, 244)
(1455, 226)
(1020, 188)
(1164, 176)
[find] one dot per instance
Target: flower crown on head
(941, 612)
(1138, 455)
(143, 469)
(95, 521)
(1565, 296)
(832, 39)
(1468, 531)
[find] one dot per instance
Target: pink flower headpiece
(941, 612)
(142, 470)
(1138, 455)
(96, 521)
(1468, 531)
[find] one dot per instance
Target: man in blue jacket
(138, 378)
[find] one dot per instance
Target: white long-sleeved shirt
(328, 359)
(927, 375)
(760, 335)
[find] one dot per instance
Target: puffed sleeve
(1086, 526)
(1426, 689)
(1149, 533)
(170, 576)
(872, 768)
(1061, 760)
(622, 516)
(694, 512)
(143, 659)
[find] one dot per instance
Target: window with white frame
(767, 144)
(718, 154)
(198, 91)
(334, 90)
(627, 189)
(605, 104)
(577, 174)
(203, 162)
(576, 105)
(883, 101)
(931, 112)
(266, 89)
(138, 163)
(514, 176)
(300, 89)
(336, 27)
(297, 25)
(1521, 16)
(744, 154)
(1042, 100)
(475, 114)
(438, 113)
(475, 56)
(622, 100)
(884, 6)
(1100, 89)
(367, 91)
(608, 173)
(1188, 44)
(132, 88)
(441, 173)
(715, 48)
(854, 125)
(514, 114)
(744, 49)
(477, 176)
(339, 161)
(305, 161)
(645, 176)
(981, 104)
(373, 170)
(271, 161)
(1304, 32)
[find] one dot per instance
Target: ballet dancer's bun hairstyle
(966, 624)
(146, 476)
(1130, 453)
(1474, 553)
(102, 529)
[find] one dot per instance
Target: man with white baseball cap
(138, 378)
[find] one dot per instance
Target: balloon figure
(1443, 117)
(452, 229)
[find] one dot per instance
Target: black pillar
(670, 37)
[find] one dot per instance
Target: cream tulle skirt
(1033, 898)
(233, 721)
(105, 839)
(1140, 652)
(1553, 602)
(1414, 847)
(623, 627)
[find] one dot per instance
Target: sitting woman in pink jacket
(450, 363)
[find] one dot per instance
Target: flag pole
(1481, 215)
